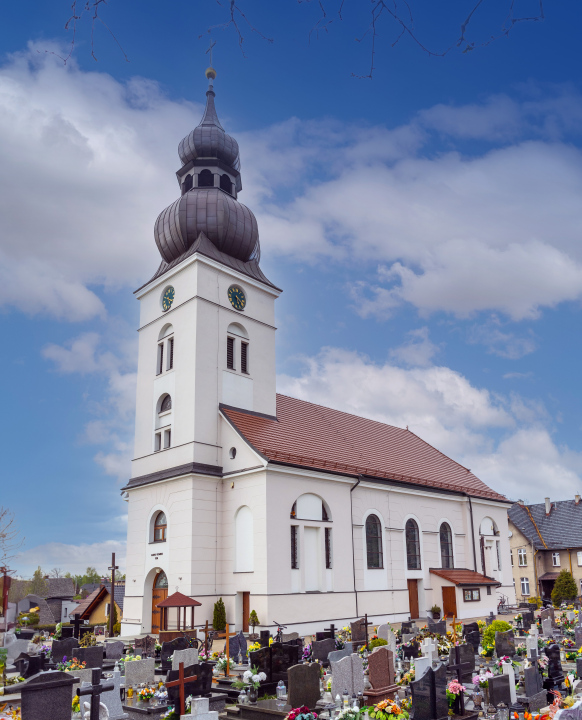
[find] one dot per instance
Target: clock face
(237, 297)
(168, 298)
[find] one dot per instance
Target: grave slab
(303, 685)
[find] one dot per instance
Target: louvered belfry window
(160, 368)
(244, 358)
(170, 353)
(294, 548)
(230, 353)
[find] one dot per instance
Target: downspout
(472, 532)
(353, 546)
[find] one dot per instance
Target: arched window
(226, 184)
(412, 545)
(161, 580)
(166, 404)
(206, 179)
(160, 526)
(163, 434)
(446, 546)
(374, 542)
(187, 184)
(243, 540)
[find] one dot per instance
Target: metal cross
(330, 630)
(113, 568)
(209, 51)
(180, 682)
(76, 622)
(95, 691)
(460, 668)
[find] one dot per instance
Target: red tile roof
(324, 439)
(177, 599)
(85, 607)
(460, 576)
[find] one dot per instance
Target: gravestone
(538, 701)
(275, 660)
(47, 695)
(579, 667)
(408, 637)
(197, 688)
(321, 649)
(499, 691)
(421, 665)
(578, 635)
(386, 633)
(406, 627)
(555, 677)
(93, 692)
(303, 685)
(16, 648)
(381, 676)
(411, 651)
(93, 656)
(439, 627)
(471, 634)
(548, 613)
(429, 649)
(112, 699)
(139, 671)
(547, 627)
(236, 645)
(509, 671)
(289, 637)
(264, 638)
(466, 655)
(67, 631)
(200, 708)
(429, 695)
(358, 631)
(490, 618)
(528, 619)
(337, 655)
(189, 656)
(63, 648)
(146, 647)
(531, 644)
(505, 643)
(114, 650)
(533, 681)
(169, 648)
(347, 674)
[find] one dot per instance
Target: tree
(253, 620)
(219, 617)
(10, 539)
(564, 588)
(56, 573)
(38, 585)
(113, 609)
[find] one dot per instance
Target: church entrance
(159, 593)
(413, 598)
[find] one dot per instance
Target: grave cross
(366, 623)
(330, 630)
(227, 649)
(180, 682)
(76, 622)
(95, 691)
(460, 668)
(206, 632)
(113, 568)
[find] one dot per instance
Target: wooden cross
(366, 623)
(180, 682)
(330, 630)
(209, 51)
(206, 630)
(113, 568)
(227, 648)
(95, 691)
(76, 622)
(460, 668)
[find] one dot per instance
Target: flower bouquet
(14, 680)
(130, 658)
(250, 678)
(254, 646)
(146, 694)
(73, 664)
(301, 713)
(454, 690)
(408, 677)
(487, 651)
(483, 680)
(221, 664)
(348, 714)
(388, 710)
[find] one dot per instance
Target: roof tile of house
(462, 576)
(318, 437)
(560, 530)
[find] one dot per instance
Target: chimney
(577, 499)
(520, 502)
(548, 505)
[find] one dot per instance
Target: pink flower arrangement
(455, 687)
(301, 713)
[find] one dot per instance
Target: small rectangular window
(473, 595)
(521, 558)
(170, 353)
(488, 589)
(328, 548)
(525, 586)
(167, 438)
(579, 555)
(160, 369)
(158, 442)
(244, 354)
(294, 548)
(230, 353)
(556, 559)
(511, 556)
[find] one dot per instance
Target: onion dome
(209, 140)
(229, 225)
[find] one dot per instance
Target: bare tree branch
(10, 537)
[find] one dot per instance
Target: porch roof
(462, 576)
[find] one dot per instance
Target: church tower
(206, 340)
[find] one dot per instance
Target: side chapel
(305, 514)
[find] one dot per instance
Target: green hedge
(496, 626)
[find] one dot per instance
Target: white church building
(305, 514)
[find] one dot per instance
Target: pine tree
(253, 620)
(38, 585)
(564, 588)
(219, 618)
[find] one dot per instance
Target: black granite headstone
(429, 695)
(48, 695)
(499, 691)
(303, 685)
(555, 677)
(28, 665)
(264, 638)
(504, 643)
(579, 668)
(92, 656)
(63, 648)
(320, 650)
(466, 657)
(439, 628)
(275, 660)
(411, 651)
(198, 688)
(533, 681)
(169, 648)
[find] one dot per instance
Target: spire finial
(210, 71)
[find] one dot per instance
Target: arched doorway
(159, 593)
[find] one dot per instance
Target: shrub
(254, 620)
(564, 588)
(117, 628)
(489, 632)
(377, 642)
(435, 609)
(219, 617)
(32, 619)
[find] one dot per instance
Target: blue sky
(424, 225)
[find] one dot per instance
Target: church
(305, 514)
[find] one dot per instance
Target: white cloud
(503, 439)
(71, 557)
(500, 342)
(417, 350)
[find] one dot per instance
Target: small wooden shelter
(181, 602)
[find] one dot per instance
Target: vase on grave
(253, 694)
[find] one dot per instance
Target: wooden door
(246, 611)
(449, 602)
(158, 594)
(413, 598)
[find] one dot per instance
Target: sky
(424, 225)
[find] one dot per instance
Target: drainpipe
(353, 546)
(472, 533)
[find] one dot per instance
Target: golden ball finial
(210, 73)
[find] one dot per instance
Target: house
(301, 512)
(545, 538)
(57, 592)
(94, 609)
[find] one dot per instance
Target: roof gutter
(358, 481)
(472, 532)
